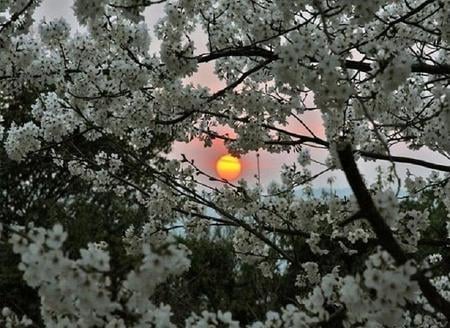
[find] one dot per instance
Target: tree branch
(382, 230)
(350, 64)
(409, 160)
(16, 15)
(400, 159)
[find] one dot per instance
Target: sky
(270, 164)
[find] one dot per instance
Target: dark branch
(382, 230)
(409, 160)
(138, 5)
(240, 79)
(399, 159)
(350, 64)
(16, 15)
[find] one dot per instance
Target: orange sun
(228, 167)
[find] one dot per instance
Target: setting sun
(228, 167)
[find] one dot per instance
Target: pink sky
(205, 158)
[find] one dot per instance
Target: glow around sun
(228, 167)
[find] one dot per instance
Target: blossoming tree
(379, 75)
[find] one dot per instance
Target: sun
(228, 167)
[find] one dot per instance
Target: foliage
(107, 229)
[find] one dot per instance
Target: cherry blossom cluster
(108, 111)
(77, 292)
